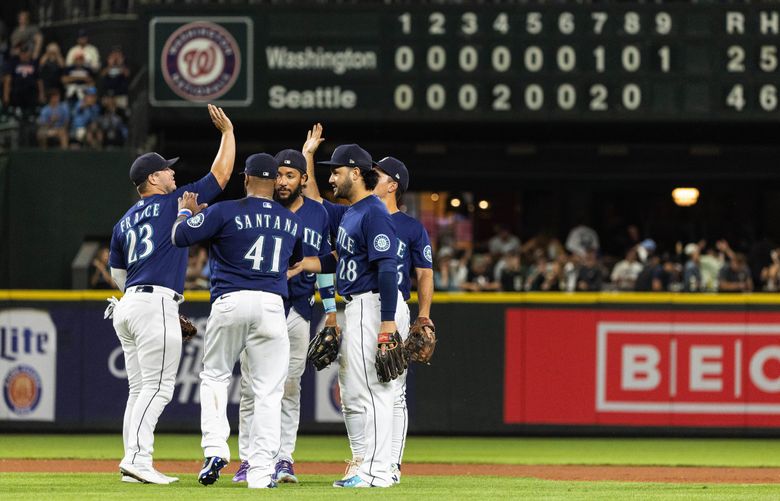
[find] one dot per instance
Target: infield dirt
(547, 472)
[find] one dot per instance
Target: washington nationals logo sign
(201, 61)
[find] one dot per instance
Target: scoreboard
(507, 62)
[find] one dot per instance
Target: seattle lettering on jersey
(269, 221)
(150, 211)
(313, 238)
(345, 242)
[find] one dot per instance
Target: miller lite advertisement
(195, 60)
(28, 365)
(672, 368)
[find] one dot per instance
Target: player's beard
(286, 202)
(344, 189)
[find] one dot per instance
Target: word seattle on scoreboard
(517, 62)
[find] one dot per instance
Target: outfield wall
(505, 364)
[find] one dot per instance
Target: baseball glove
(421, 342)
(390, 357)
(324, 347)
(188, 329)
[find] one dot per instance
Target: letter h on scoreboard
(688, 368)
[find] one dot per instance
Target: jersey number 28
(255, 254)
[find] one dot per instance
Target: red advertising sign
(673, 368)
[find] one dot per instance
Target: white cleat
(353, 465)
(145, 473)
(130, 480)
(395, 473)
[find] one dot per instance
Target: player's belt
(349, 297)
(160, 290)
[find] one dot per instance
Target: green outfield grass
(27, 486)
(508, 450)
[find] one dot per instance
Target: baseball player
(151, 272)
(289, 183)
(414, 251)
(252, 241)
(367, 279)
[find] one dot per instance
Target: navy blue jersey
(335, 213)
(414, 249)
(251, 243)
(316, 242)
(365, 235)
(141, 240)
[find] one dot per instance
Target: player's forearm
(177, 234)
(310, 189)
(388, 289)
(119, 277)
(222, 167)
(424, 291)
(327, 291)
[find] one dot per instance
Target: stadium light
(484, 204)
(455, 202)
(685, 197)
(434, 197)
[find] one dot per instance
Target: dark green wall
(49, 202)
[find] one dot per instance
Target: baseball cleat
(353, 465)
(352, 483)
(130, 480)
(240, 475)
(144, 473)
(284, 473)
(270, 485)
(395, 473)
(210, 471)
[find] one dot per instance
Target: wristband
(185, 213)
(329, 304)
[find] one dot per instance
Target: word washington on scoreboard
(523, 62)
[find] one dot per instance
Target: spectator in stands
(89, 51)
(111, 130)
(770, 275)
(26, 35)
(83, 117)
(590, 274)
(581, 239)
(503, 241)
(480, 277)
(625, 272)
(657, 275)
(536, 271)
(511, 273)
(76, 78)
(553, 277)
(22, 87)
(194, 278)
(116, 78)
(51, 67)
(53, 121)
(735, 275)
(451, 270)
(710, 264)
(692, 279)
(100, 276)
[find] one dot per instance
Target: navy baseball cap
(148, 163)
(350, 155)
(291, 158)
(395, 169)
(261, 165)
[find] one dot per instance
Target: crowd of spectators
(543, 263)
(76, 101)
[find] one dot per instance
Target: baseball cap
(148, 163)
(395, 169)
(291, 158)
(90, 90)
(261, 165)
(350, 155)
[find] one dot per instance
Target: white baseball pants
(147, 324)
(367, 404)
(251, 320)
(298, 332)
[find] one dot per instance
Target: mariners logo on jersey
(201, 61)
(428, 254)
(196, 220)
(381, 242)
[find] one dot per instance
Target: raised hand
(313, 140)
(220, 119)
